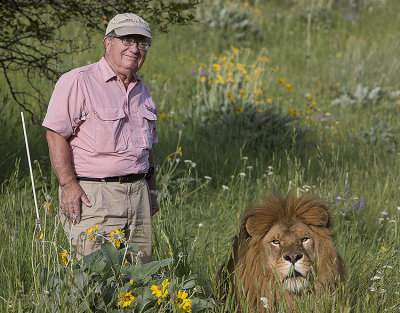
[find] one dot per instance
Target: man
(101, 125)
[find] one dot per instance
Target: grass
(348, 157)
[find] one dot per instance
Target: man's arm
(71, 193)
(153, 185)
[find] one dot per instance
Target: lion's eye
(305, 239)
(275, 242)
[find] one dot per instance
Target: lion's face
(291, 252)
(284, 242)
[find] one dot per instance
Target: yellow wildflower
(218, 79)
(125, 299)
(160, 291)
(235, 51)
(117, 237)
(264, 59)
(40, 237)
(126, 263)
(231, 65)
(65, 257)
(180, 151)
(241, 68)
(216, 67)
(281, 80)
(259, 110)
(288, 86)
(239, 110)
(11, 306)
(46, 206)
(384, 249)
(92, 232)
(203, 79)
(131, 281)
(231, 96)
(170, 251)
(163, 116)
(269, 100)
(292, 112)
(242, 93)
(182, 302)
(224, 59)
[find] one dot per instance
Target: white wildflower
(265, 302)
(225, 187)
(376, 278)
(201, 225)
(207, 177)
(245, 158)
(250, 167)
(242, 174)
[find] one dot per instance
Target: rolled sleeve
(66, 106)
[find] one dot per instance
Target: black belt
(116, 179)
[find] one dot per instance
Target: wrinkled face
(124, 59)
(291, 252)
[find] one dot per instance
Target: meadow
(255, 98)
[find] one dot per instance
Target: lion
(284, 249)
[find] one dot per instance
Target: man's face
(123, 58)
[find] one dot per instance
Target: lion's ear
(316, 216)
(256, 226)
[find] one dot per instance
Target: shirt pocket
(144, 130)
(109, 129)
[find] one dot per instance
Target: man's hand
(71, 196)
(154, 205)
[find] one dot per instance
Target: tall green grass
(350, 157)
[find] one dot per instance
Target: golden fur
(284, 248)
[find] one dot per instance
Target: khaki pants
(125, 206)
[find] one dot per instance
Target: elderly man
(101, 125)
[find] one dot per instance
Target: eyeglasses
(142, 45)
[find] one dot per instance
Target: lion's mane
(248, 270)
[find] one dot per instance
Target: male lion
(284, 249)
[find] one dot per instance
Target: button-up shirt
(110, 128)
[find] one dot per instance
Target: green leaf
(111, 256)
(199, 305)
(146, 271)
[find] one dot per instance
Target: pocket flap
(110, 113)
(148, 112)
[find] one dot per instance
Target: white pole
(30, 169)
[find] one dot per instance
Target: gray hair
(111, 35)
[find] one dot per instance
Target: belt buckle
(121, 180)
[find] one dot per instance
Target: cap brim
(123, 31)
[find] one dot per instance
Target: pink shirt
(110, 129)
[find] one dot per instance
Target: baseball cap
(128, 24)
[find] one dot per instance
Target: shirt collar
(109, 74)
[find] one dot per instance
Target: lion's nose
(293, 257)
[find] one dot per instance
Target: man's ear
(107, 43)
